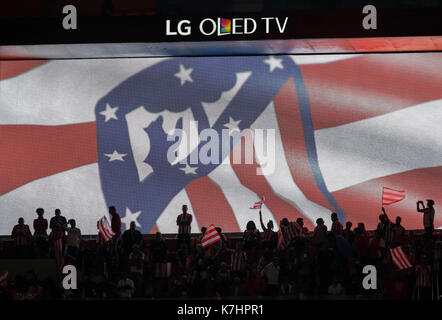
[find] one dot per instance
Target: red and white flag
(163, 269)
(281, 241)
(105, 230)
(390, 196)
(399, 258)
(210, 237)
(258, 205)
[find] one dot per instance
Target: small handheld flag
(258, 205)
(210, 237)
(399, 258)
(105, 230)
(390, 196)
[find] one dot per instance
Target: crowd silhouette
(293, 263)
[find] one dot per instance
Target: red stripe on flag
(247, 174)
(399, 81)
(32, 152)
(210, 205)
(293, 140)
(9, 69)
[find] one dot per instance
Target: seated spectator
(251, 236)
(21, 234)
(131, 237)
(125, 286)
(136, 266)
(336, 289)
(73, 240)
(271, 275)
(41, 234)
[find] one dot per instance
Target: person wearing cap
(428, 215)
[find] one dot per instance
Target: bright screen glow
(320, 133)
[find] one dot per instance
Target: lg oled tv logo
(222, 26)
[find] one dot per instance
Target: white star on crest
(184, 75)
(232, 125)
(109, 113)
(115, 156)
(274, 63)
(189, 170)
(131, 217)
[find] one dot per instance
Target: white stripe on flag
(281, 179)
(64, 91)
(380, 146)
(55, 191)
(238, 195)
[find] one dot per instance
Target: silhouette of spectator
(428, 215)
(336, 225)
(319, 238)
(22, 237)
(131, 237)
(58, 225)
(184, 221)
(398, 233)
(269, 237)
(348, 233)
(251, 236)
(115, 226)
(40, 233)
(73, 240)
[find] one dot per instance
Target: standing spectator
(58, 223)
(22, 237)
(271, 275)
(73, 240)
(428, 215)
(348, 233)
(319, 238)
(336, 226)
(251, 236)
(131, 237)
(269, 237)
(58, 226)
(115, 225)
(183, 222)
(398, 233)
(40, 233)
(290, 231)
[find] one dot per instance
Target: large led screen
(313, 134)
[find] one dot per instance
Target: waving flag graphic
(82, 135)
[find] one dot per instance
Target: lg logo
(222, 26)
